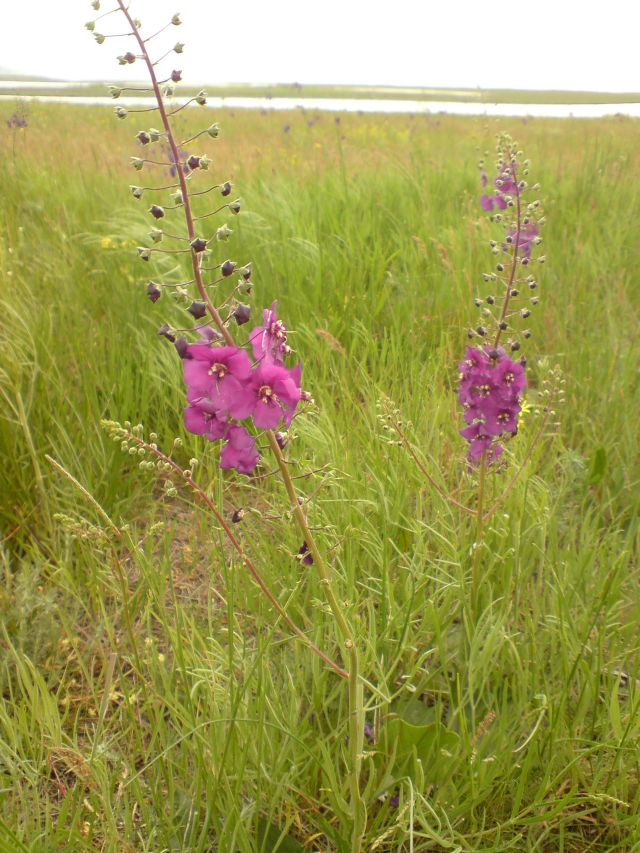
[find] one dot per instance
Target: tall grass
(140, 709)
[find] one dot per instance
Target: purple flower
(217, 379)
(490, 388)
(526, 239)
(275, 393)
(173, 168)
(239, 451)
(200, 422)
(269, 341)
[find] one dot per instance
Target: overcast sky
(561, 44)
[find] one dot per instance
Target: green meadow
(150, 699)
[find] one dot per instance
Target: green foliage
(150, 699)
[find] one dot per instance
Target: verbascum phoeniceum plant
(242, 390)
(492, 376)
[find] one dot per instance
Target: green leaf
(271, 839)
(598, 466)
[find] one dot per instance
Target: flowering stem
(514, 257)
(356, 707)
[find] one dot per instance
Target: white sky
(534, 44)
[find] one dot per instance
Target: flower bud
(129, 57)
(90, 25)
(121, 112)
(214, 130)
(225, 189)
(242, 313)
(176, 20)
(176, 197)
(198, 245)
(223, 233)
(168, 91)
(156, 211)
(95, 4)
(246, 272)
(143, 137)
(227, 268)
(137, 163)
(99, 38)
(197, 310)
(201, 98)
(143, 253)
(115, 91)
(282, 438)
(182, 348)
(165, 331)
(234, 207)
(205, 162)
(237, 516)
(154, 135)
(153, 291)
(178, 47)
(193, 162)
(156, 235)
(176, 76)
(137, 192)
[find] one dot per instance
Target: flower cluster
(490, 388)
(17, 121)
(224, 386)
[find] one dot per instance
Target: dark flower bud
(525, 262)
(156, 211)
(166, 332)
(193, 162)
(526, 333)
(481, 331)
(237, 516)
(533, 285)
(525, 313)
(306, 557)
(242, 313)
(500, 267)
(515, 346)
(490, 300)
(198, 245)
(535, 300)
(197, 310)
(234, 206)
(201, 98)
(227, 268)
(153, 291)
(214, 130)
(515, 292)
(182, 347)
(246, 272)
(137, 192)
(129, 57)
(176, 76)
(494, 355)
(503, 326)
(121, 113)
(282, 439)
(470, 333)
(144, 253)
(225, 189)
(477, 302)
(143, 137)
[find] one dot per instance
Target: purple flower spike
(239, 451)
(490, 388)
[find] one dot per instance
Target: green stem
(477, 545)
(356, 704)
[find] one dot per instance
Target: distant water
(351, 105)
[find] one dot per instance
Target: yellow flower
(105, 243)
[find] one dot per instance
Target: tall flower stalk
(230, 395)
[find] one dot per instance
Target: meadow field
(151, 700)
